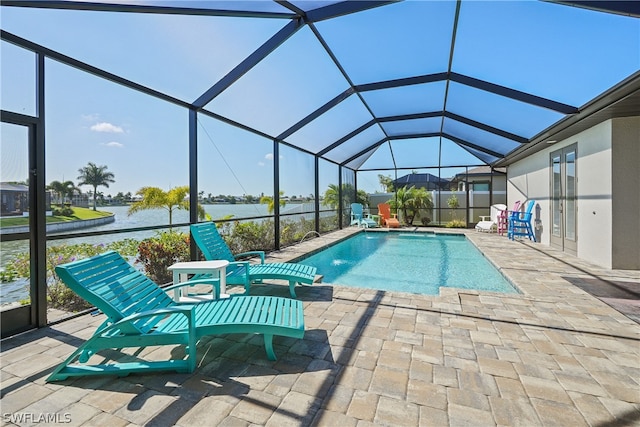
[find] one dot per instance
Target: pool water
(408, 262)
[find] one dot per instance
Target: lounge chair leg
(268, 346)
(292, 289)
(192, 345)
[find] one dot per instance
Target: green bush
(63, 298)
(329, 223)
(62, 211)
(248, 236)
(456, 223)
(291, 232)
(158, 253)
(58, 295)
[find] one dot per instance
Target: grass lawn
(78, 213)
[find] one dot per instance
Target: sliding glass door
(563, 199)
(16, 313)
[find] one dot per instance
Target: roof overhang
(623, 100)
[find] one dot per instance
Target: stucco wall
(626, 193)
(594, 194)
(530, 179)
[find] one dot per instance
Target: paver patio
(554, 355)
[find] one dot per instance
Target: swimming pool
(408, 262)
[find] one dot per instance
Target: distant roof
(9, 186)
(483, 170)
(419, 178)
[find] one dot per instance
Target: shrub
(158, 253)
(58, 295)
(453, 204)
(63, 298)
(292, 232)
(456, 223)
(329, 223)
(248, 236)
(63, 211)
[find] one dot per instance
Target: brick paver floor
(558, 354)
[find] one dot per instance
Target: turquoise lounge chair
(520, 223)
(141, 314)
(214, 247)
(359, 218)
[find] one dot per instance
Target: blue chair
(141, 314)
(359, 218)
(520, 223)
(213, 246)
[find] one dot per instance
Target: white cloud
(261, 163)
(106, 127)
(269, 156)
(114, 144)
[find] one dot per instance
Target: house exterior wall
(626, 193)
(607, 173)
(530, 179)
(593, 166)
(499, 183)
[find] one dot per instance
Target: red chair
(388, 219)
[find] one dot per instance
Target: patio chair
(388, 219)
(520, 223)
(360, 218)
(502, 221)
(506, 216)
(213, 247)
(141, 314)
(490, 225)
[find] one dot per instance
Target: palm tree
(95, 176)
(386, 182)
(63, 189)
(421, 200)
(156, 198)
(268, 200)
(410, 200)
(331, 196)
(403, 202)
(362, 197)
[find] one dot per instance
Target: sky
(563, 53)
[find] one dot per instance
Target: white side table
(217, 268)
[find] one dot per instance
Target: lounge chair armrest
(126, 325)
(484, 217)
(244, 264)
(250, 254)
